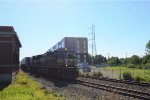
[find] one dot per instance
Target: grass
(142, 74)
(24, 88)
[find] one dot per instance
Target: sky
(121, 26)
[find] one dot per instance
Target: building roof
(76, 37)
(9, 30)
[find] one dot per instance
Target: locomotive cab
(67, 64)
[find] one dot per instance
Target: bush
(97, 75)
(87, 75)
(147, 66)
(140, 67)
(137, 78)
(131, 66)
(127, 76)
(81, 74)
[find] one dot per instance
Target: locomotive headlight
(66, 65)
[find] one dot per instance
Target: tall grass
(24, 88)
(142, 75)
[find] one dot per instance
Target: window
(84, 51)
(84, 56)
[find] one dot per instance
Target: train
(61, 64)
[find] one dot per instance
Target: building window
(84, 56)
(84, 60)
(84, 51)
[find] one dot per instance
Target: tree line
(133, 61)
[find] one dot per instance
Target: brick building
(9, 53)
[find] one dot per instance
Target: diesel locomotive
(60, 64)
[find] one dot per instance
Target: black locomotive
(60, 64)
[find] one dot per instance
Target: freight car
(60, 64)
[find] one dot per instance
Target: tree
(135, 60)
(146, 59)
(148, 47)
(123, 61)
(99, 59)
(114, 61)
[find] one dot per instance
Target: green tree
(135, 60)
(114, 61)
(99, 59)
(148, 47)
(146, 59)
(123, 61)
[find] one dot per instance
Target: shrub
(81, 74)
(147, 66)
(97, 75)
(137, 78)
(140, 67)
(127, 76)
(87, 75)
(131, 66)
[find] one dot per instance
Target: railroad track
(115, 89)
(122, 81)
(127, 82)
(110, 88)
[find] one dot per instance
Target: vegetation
(141, 75)
(148, 47)
(98, 59)
(95, 75)
(132, 62)
(114, 61)
(24, 88)
(131, 68)
(127, 76)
